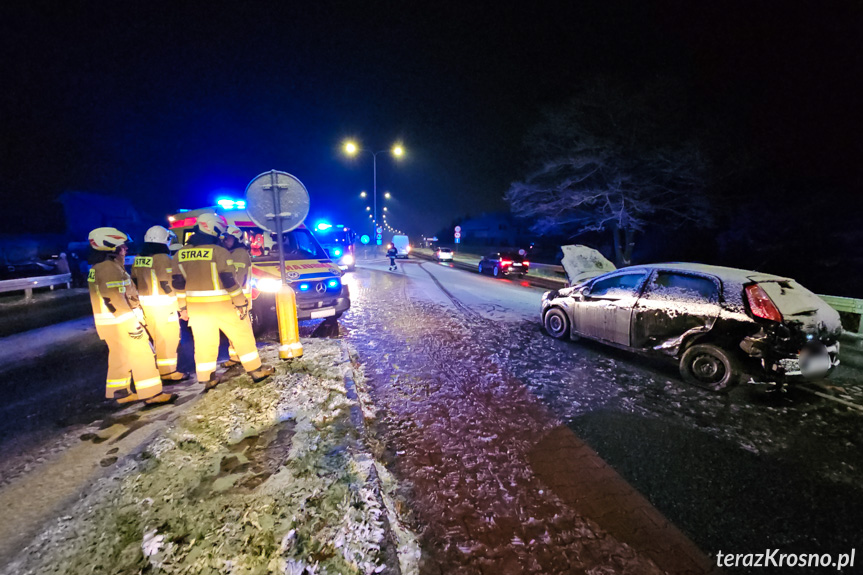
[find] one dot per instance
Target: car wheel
(709, 367)
(479, 268)
(557, 323)
(496, 271)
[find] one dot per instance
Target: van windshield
(301, 245)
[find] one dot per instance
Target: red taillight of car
(505, 262)
(525, 263)
(761, 304)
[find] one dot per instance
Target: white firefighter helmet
(159, 235)
(107, 239)
(236, 232)
(212, 224)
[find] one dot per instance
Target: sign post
(279, 200)
(457, 237)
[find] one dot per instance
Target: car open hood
(582, 263)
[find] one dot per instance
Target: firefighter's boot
(212, 382)
(231, 363)
(161, 399)
(262, 373)
(175, 377)
(123, 397)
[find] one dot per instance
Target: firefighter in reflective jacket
(152, 273)
(209, 294)
(119, 320)
(233, 241)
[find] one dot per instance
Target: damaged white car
(720, 324)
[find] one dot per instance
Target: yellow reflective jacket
(242, 261)
(112, 294)
(205, 273)
(152, 276)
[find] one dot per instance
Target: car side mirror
(584, 292)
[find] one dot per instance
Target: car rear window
(445, 250)
(672, 286)
(512, 257)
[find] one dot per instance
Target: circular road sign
(277, 194)
(380, 230)
(364, 239)
(457, 235)
(458, 229)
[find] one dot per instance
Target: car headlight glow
(348, 259)
(333, 284)
(269, 285)
(305, 286)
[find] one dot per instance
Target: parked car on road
(719, 324)
(503, 264)
(443, 254)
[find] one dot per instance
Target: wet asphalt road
(740, 472)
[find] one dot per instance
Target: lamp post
(397, 150)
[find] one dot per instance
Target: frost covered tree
(616, 161)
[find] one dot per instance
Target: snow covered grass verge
(252, 479)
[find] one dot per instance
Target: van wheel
(556, 323)
(709, 367)
(262, 323)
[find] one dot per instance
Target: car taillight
(505, 262)
(761, 304)
(527, 263)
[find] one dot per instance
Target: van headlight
(269, 285)
(348, 259)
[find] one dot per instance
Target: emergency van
(315, 279)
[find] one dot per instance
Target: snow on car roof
(731, 274)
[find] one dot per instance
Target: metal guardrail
(27, 285)
(847, 305)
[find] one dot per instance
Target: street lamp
(351, 148)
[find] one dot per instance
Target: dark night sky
(171, 102)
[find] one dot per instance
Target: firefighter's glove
(139, 315)
(137, 332)
(242, 310)
(184, 315)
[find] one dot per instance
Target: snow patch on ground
(253, 478)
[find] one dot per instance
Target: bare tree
(612, 161)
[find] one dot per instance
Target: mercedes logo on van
(320, 287)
